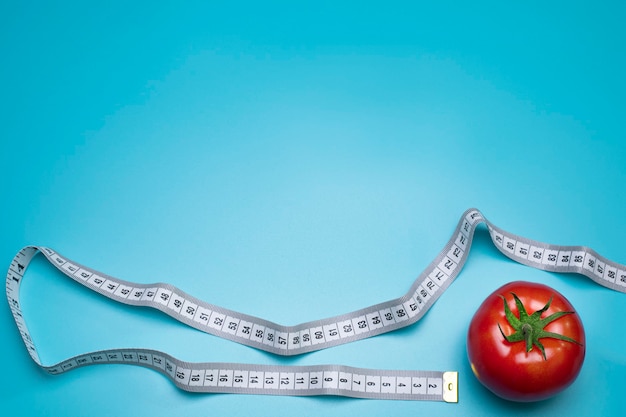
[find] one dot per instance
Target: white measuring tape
(305, 337)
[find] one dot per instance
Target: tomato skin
(505, 367)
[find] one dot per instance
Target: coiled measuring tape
(306, 337)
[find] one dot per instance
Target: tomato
(529, 348)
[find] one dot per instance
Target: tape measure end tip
(451, 387)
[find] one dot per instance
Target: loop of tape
(306, 337)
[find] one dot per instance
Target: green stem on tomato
(530, 328)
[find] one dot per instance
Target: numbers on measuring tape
(306, 337)
(336, 380)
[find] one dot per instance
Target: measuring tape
(306, 337)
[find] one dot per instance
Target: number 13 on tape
(216, 377)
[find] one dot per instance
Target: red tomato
(527, 349)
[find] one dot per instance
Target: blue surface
(295, 162)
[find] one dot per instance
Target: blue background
(299, 161)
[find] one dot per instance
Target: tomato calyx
(530, 328)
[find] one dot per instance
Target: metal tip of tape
(451, 387)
